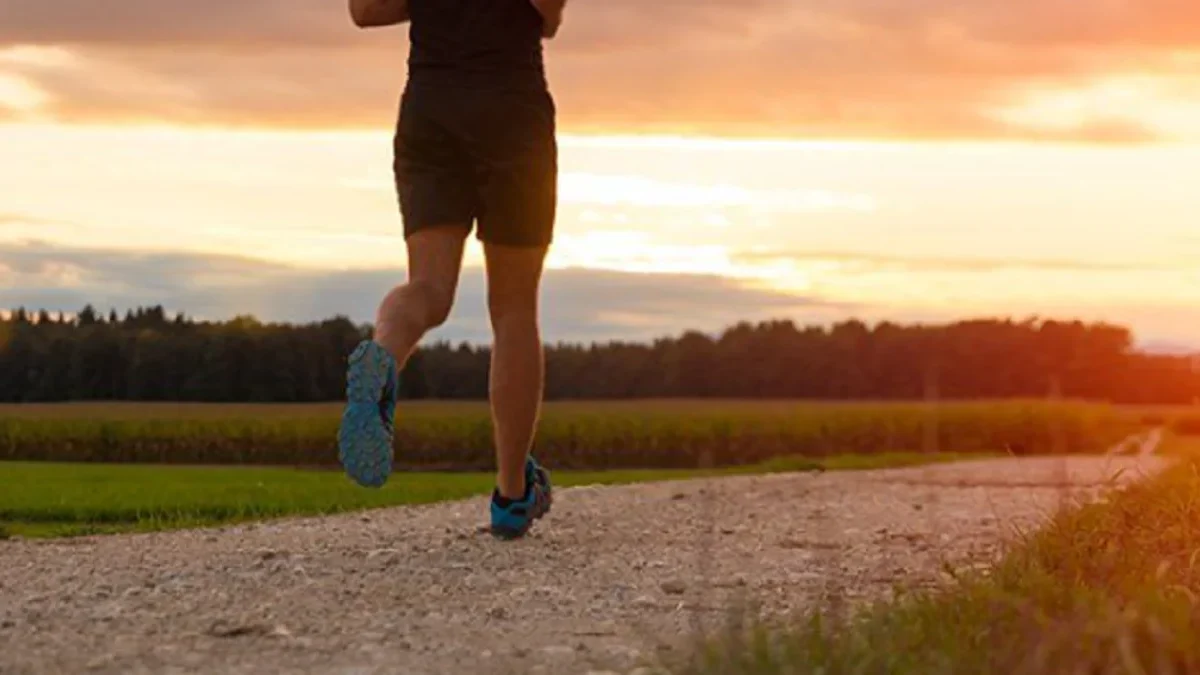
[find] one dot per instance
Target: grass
(42, 499)
(1108, 587)
(1178, 445)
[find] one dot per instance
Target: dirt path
(612, 577)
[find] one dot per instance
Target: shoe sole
(364, 441)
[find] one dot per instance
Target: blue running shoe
(511, 519)
(536, 474)
(368, 423)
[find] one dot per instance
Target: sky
(722, 160)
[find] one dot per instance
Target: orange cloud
(815, 68)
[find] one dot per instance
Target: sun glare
(20, 95)
(1143, 104)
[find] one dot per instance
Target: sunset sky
(721, 160)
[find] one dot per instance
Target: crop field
(576, 435)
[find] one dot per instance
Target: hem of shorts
(410, 230)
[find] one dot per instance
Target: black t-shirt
(477, 42)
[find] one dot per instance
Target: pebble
(674, 587)
(644, 602)
(498, 612)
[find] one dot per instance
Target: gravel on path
(613, 578)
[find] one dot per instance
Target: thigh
(514, 275)
(435, 257)
(515, 155)
(434, 177)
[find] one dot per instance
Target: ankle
(388, 348)
(513, 490)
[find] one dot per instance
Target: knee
(512, 310)
(435, 302)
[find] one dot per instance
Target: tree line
(146, 355)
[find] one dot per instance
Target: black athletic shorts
(470, 155)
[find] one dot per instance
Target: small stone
(557, 650)
(600, 629)
(678, 496)
(674, 587)
(498, 613)
(624, 652)
(644, 602)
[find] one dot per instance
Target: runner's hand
(372, 13)
(552, 15)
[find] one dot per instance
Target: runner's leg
(414, 308)
(517, 371)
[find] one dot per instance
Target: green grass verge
(1110, 587)
(72, 499)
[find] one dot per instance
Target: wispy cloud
(632, 190)
(580, 305)
(833, 68)
(964, 263)
(23, 219)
